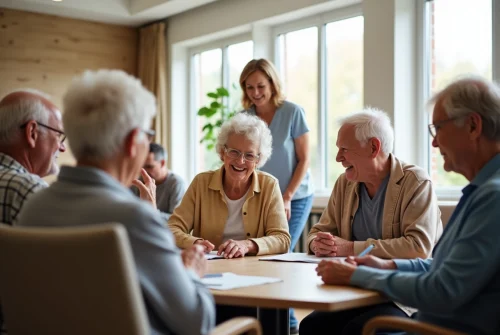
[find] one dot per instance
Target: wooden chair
(405, 324)
(78, 280)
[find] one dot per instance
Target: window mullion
(322, 108)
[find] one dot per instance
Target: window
(213, 68)
(321, 68)
(459, 42)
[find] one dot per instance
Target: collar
(487, 171)
(10, 163)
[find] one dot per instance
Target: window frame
(222, 44)
(319, 21)
(444, 193)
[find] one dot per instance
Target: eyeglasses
(236, 154)
(434, 127)
(150, 133)
(60, 134)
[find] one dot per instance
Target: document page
(298, 257)
(229, 280)
(213, 255)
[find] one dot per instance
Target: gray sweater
(168, 194)
(176, 300)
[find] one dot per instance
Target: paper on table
(298, 257)
(229, 280)
(213, 255)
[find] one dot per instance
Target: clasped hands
(327, 245)
(229, 249)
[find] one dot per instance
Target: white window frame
(443, 193)
(222, 44)
(320, 22)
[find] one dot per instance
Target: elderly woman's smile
(240, 156)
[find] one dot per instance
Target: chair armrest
(406, 324)
(237, 326)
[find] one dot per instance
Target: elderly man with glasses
(458, 286)
(31, 137)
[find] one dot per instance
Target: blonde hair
(267, 68)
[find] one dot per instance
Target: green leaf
(211, 113)
(212, 95)
(210, 146)
(222, 92)
(215, 105)
(203, 111)
(207, 126)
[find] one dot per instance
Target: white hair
(14, 115)
(253, 128)
(370, 123)
(101, 108)
(472, 94)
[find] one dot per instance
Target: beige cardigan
(203, 211)
(411, 219)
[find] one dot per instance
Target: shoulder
(414, 172)
(23, 181)
(266, 178)
(175, 178)
(290, 107)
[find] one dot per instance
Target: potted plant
(216, 113)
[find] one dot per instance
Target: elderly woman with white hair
(236, 209)
(107, 115)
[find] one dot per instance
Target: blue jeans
(300, 209)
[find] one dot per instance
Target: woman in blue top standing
(289, 162)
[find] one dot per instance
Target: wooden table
(300, 288)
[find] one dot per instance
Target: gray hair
(20, 111)
(472, 94)
(253, 128)
(370, 123)
(101, 108)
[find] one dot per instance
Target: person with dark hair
(170, 187)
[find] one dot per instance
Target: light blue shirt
(460, 287)
(288, 123)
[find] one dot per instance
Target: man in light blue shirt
(459, 287)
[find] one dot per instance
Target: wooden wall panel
(45, 52)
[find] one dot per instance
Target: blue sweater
(459, 287)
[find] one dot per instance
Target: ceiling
(123, 12)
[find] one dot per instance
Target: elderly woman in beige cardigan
(236, 209)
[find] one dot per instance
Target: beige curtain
(152, 71)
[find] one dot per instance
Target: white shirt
(234, 228)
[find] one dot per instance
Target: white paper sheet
(298, 257)
(213, 255)
(228, 281)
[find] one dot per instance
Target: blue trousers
(300, 210)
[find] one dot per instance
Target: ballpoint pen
(367, 250)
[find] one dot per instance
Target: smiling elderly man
(379, 199)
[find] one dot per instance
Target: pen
(367, 250)
(212, 275)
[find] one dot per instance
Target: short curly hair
(253, 128)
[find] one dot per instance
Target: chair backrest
(78, 280)
(446, 208)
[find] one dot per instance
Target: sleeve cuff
(359, 246)
(403, 264)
